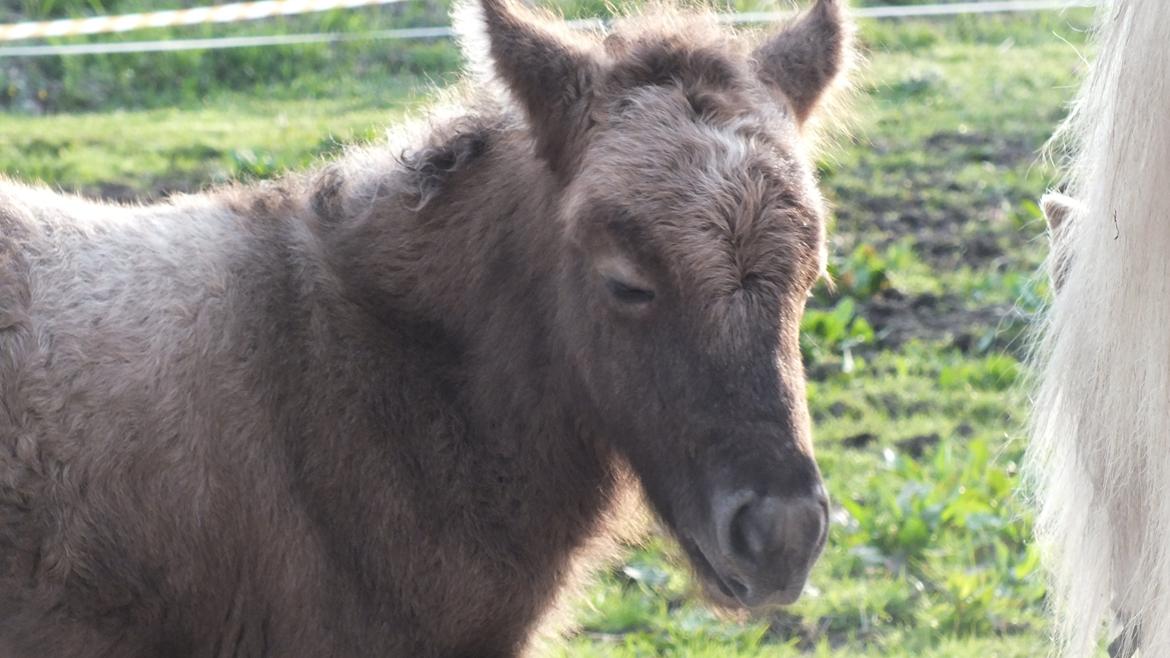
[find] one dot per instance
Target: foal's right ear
(548, 70)
(805, 58)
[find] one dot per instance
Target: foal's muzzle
(765, 546)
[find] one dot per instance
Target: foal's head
(692, 233)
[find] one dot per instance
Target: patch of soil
(1004, 149)
(116, 192)
(859, 441)
(944, 236)
(897, 319)
(951, 225)
(786, 627)
(122, 193)
(916, 446)
(807, 634)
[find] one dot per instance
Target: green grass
(182, 148)
(914, 356)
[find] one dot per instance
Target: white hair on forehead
(1100, 452)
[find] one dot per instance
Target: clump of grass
(834, 331)
(868, 270)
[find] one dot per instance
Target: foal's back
(114, 487)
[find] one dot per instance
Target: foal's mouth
(730, 589)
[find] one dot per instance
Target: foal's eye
(628, 294)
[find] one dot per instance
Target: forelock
(723, 201)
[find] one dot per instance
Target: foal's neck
(461, 232)
(465, 249)
(462, 239)
(456, 369)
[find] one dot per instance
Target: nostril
(731, 516)
(747, 541)
(755, 529)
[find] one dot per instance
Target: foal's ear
(807, 56)
(547, 69)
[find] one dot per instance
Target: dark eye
(628, 294)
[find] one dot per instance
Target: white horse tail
(1100, 450)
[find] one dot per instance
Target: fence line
(918, 11)
(229, 13)
(217, 43)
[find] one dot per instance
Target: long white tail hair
(1099, 457)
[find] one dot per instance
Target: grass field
(914, 359)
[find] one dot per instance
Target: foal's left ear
(807, 56)
(548, 70)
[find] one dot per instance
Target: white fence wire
(287, 7)
(229, 13)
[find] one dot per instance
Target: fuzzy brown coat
(388, 408)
